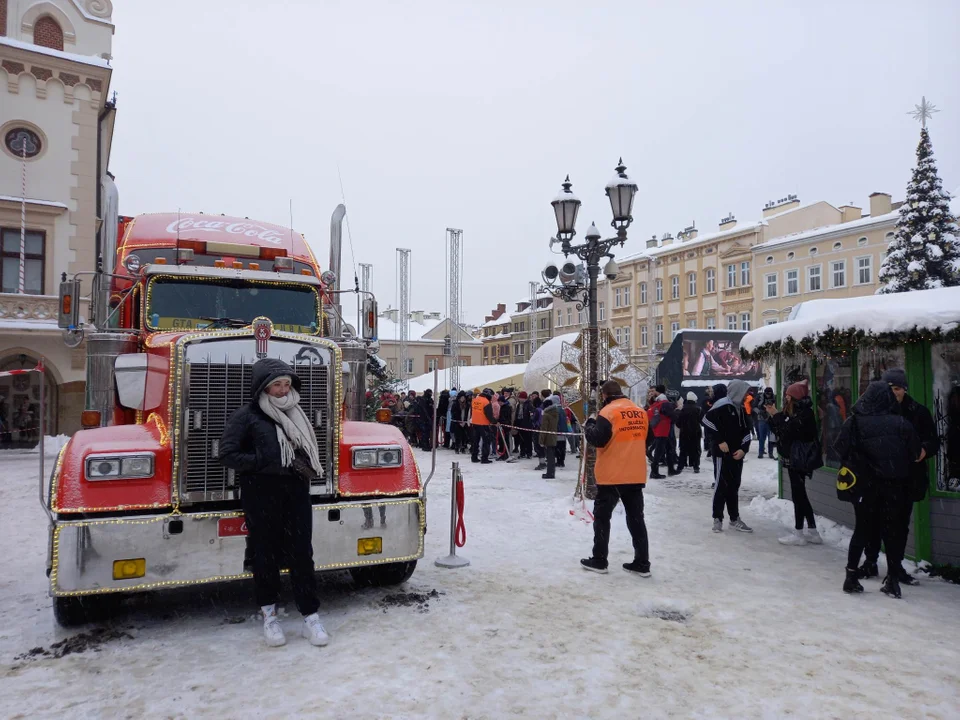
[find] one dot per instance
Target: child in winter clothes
(730, 438)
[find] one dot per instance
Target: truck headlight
(120, 466)
(370, 457)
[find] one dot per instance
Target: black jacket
(443, 404)
(688, 421)
(799, 427)
(727, 422)
(249, 442)
(921, 419)
(882, 439)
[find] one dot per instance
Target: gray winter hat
(895, 377)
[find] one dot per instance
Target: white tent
(481, 376)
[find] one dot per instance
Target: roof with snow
(505, 318)
(862, 320)
(428, 331)
(844, 228)
(481, 376)
(699, 240)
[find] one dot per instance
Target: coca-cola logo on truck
(247, 229)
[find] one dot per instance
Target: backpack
(853, 478)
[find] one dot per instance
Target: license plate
(231, 527)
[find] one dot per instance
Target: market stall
(841, 346)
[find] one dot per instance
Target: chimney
(667, 239)
(880, 204)
(652, 243)
(729, 222)
(417, 316)
(688, 233)
(790, 202)
(849, 213)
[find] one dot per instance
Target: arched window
(48, 33)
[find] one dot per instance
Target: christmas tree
(925, 252)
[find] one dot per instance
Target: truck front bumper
(194, 548)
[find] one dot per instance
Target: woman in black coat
(796, 424)
(271, 445)
(459, 416)
(443, 404)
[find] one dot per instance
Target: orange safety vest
(478, 416)
(623, 460)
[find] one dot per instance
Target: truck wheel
(383, 575)
(70, 611)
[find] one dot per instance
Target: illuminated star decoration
(923, 111)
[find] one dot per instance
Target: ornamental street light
(570, 285)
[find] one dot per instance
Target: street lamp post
(568, 284)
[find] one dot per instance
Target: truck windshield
(184, 304)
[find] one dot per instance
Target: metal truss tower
(455, 274)
(404, 263)
(365, 269)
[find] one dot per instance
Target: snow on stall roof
(824, 229)
(85, 59)
(34, 201)
(472, 376)
(899, 312)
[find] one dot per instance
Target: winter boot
(545, 476)
(272, 631)
(717, 525)
(868, 570)
(594, 565)
(891, 586)
(794, 538)
(638, 568)
(813, 537)
(696, 471)
(540, 467)
(852, 584)
(905, 578)
(740, 525)
(313, 631)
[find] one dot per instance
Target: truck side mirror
(68, 309)
(369, 326)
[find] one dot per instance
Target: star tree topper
(923, 112)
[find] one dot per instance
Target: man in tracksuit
(727, 421)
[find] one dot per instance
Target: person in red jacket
(660, 418)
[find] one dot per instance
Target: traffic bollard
(453, 560)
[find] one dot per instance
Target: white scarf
(294, 431)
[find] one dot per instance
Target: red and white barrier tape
(7, 373)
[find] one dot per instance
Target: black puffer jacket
(921, 419)
(886, 442)
(249, 442)
(799, 427)
(688, 421)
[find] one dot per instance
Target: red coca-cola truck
(137, 499)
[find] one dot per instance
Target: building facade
(56, 130)
(427, 346)
(510, 338)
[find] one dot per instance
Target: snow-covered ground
(752, 628)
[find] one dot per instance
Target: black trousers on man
(727, 473)
(550, 453)
(893, 504)
(279, 517)
(607, 498)
(689, 453)
(482, 439)
(661, 455)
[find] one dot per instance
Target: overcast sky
(469, 114)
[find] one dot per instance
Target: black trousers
(551, 457)
(802, 509)
(279, 518)
(607, 498)
(727, 473)
(689, 453)
(866, 523)
(662, 454)
(899, 508)
(560, 452)
(459, 436)
(482, 439)
(525, 438)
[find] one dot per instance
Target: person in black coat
(711, 397)
(796, 423)
(691, 431)
(443, 404)
(459, 416)
(922, 421)
(425, 423)
(886, 447)
(271, 445)
(730, 442)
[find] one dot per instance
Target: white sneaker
(813, 537)
(272, 630)
(313, 631)
(794, 538)
(740, 525)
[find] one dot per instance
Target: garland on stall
(840, 343)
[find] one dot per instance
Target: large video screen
(716, 358)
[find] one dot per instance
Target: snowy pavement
(730, 625)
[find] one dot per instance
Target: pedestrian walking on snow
(730, 438)
(271, 445)
(619, 433)
(691, 431)
(794, 424)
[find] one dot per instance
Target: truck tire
(383, 575)
(71, 611)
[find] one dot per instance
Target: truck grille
(213, 392)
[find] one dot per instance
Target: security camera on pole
(564, 282)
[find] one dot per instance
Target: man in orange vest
(620, 436)
(483, 421)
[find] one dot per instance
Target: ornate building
(56, 130)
